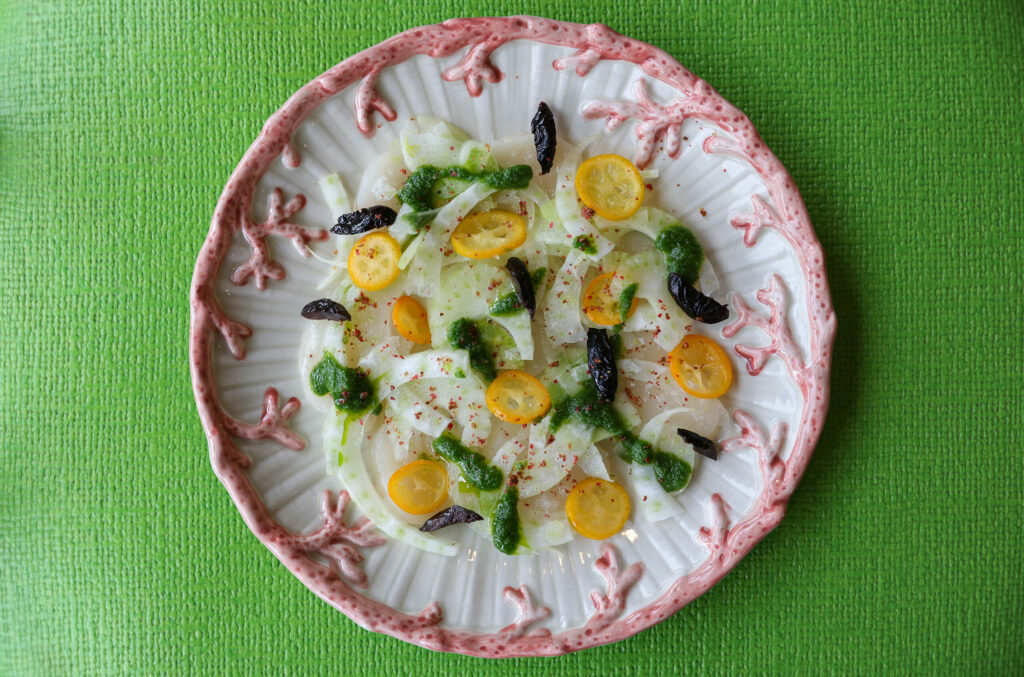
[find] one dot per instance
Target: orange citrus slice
(419, 487)
(373, 261)
(700, 367)
(517, 397)
(487, 234)
(597, 508)
(410, 320)
(611, 185)
(600, 304)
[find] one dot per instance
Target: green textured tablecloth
(902, 549)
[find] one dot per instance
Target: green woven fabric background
(902, 549)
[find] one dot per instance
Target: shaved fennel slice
(654, 503)
(665, 318)
(403, 228)
(337, 201)
(592, 463)
(466, 291)
(381, 180)
(471, 412)
(430, 141)
(423, 268)
(562, 304)
(343, 437)
(453, 212)
(708, 278)
(335, 196)
(317, 339)
(411, 249)
(549, 228)
(548, 463)
(429, 405)
(408, 403)
(569, 210)
(544, 523)
(389, 369)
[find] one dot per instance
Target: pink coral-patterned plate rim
(338, 540)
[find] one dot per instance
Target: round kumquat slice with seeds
(487, 234)
(373, 261)
(600, 304)
(419, 487)
(700, 367)
(611, 185)
(517, 397)
(597, 508)
(410, 320)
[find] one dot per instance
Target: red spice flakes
(587, 213)
(649, 187)
(703, 212)
(522, 207)
(634, 398)
(365, 301)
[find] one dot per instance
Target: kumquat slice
(597, 508)
(611, 185)
(419, 487)
(701, 367)
(488, 234)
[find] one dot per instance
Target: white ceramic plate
(715, 174)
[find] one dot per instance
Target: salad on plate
(509, 337)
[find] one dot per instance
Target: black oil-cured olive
(601, 363)
(523, 282)
(543, 126)
(700, 444)
(363, 220)
(695, 304)
(453, 515)
(325, 309)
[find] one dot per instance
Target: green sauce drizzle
(515, 177)
(465, 334)
(475, 468)
(351, 389)
(588, 408)
(505, 528)
(585, 243)
(682, 250)
(430, 187)
(508, 304)
(626, 300)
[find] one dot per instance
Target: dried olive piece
(700, 444)
(601, 363)
(449, 516)
(325, 309)
(695, 304)
(523, 282)
(543, 127)
(363, 220)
